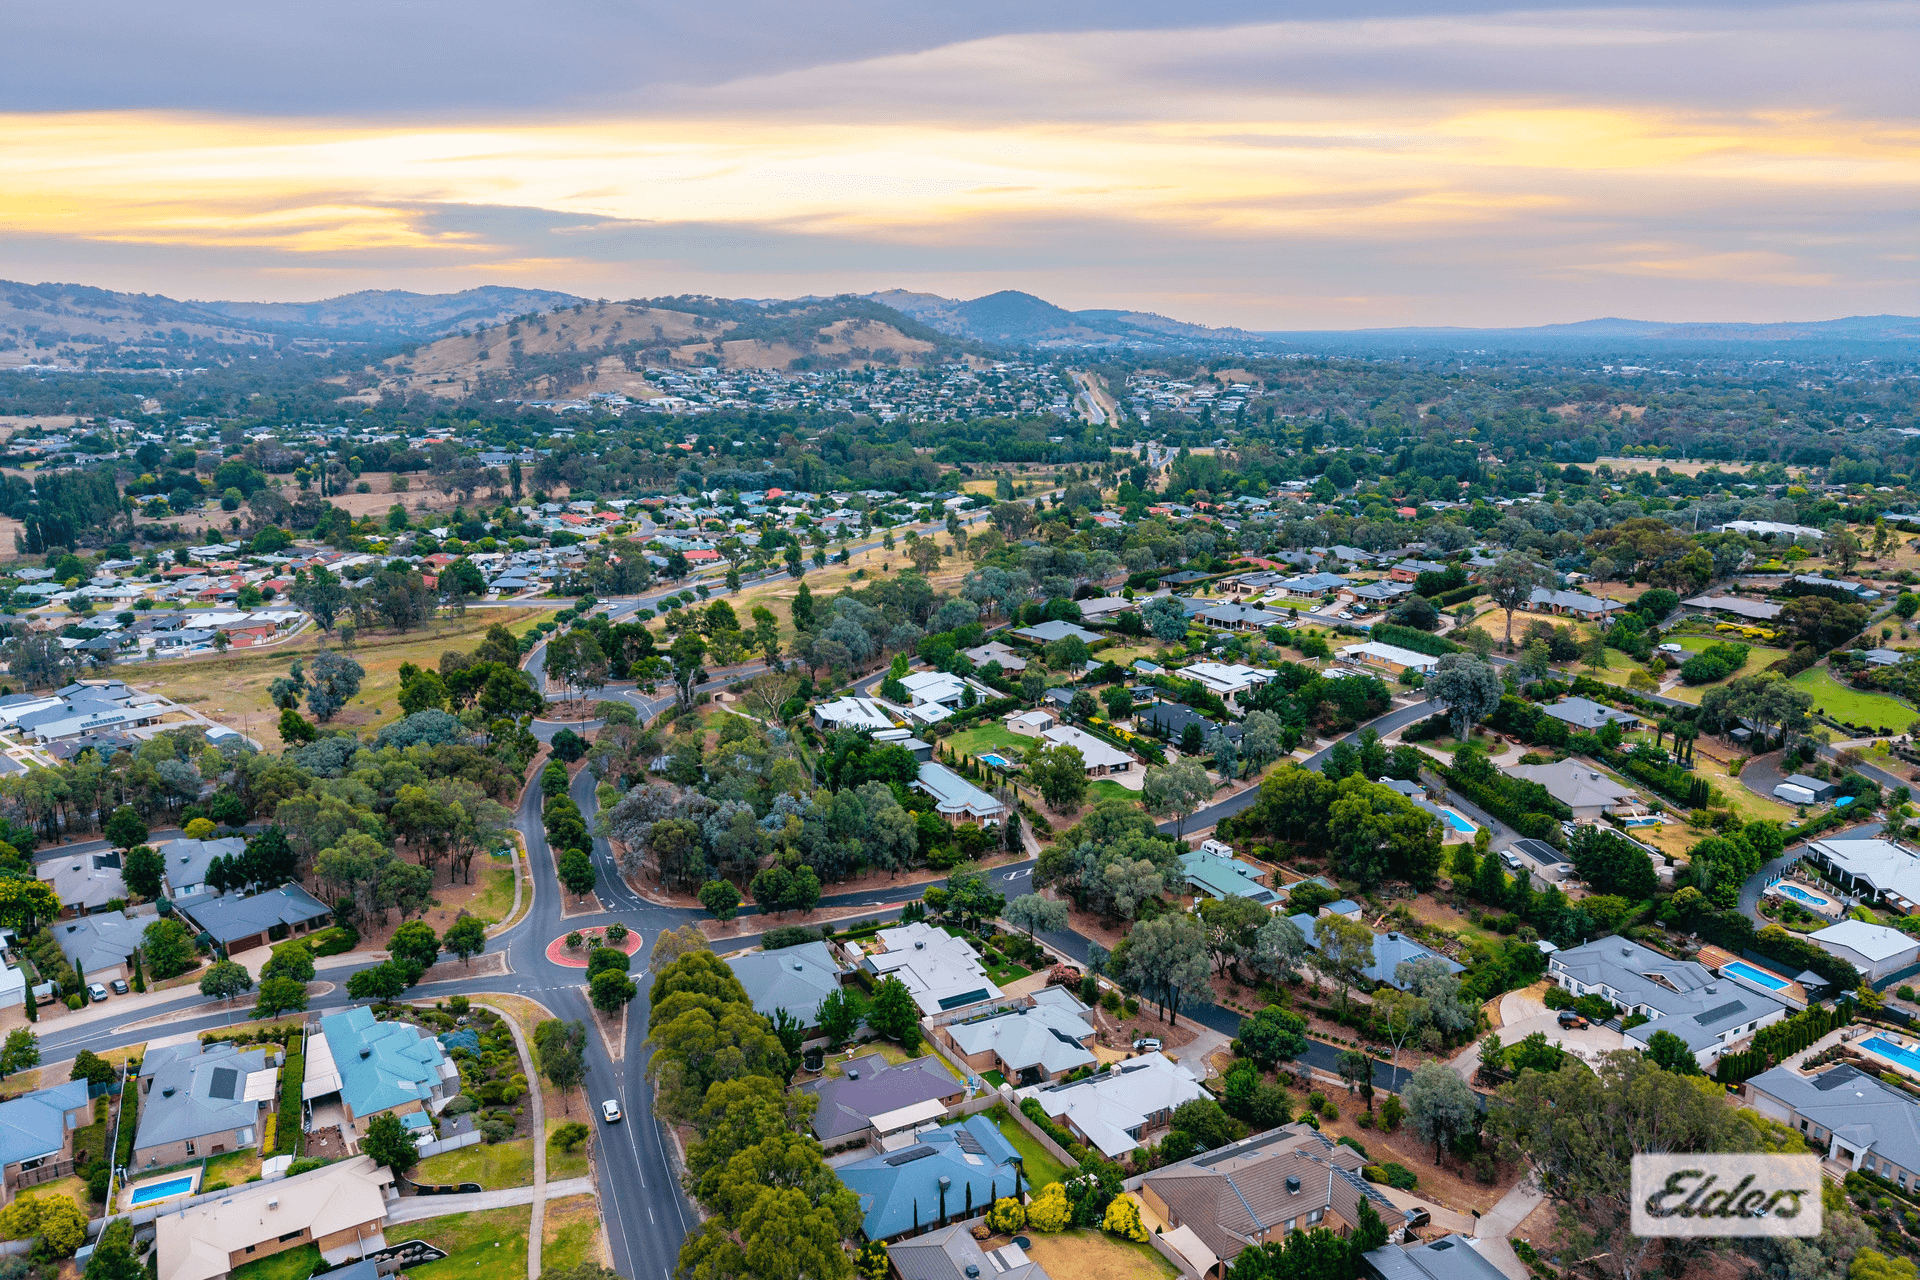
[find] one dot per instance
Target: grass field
(294, 1264)
(1759, 658)
(1852, 706)
(495, 898)
(233, 688)
(1107, 789)
(491, 1164)
(1086, 1254)
(563, 1164)
(571, 1233)
(487, 1244)
(990, 737)
(1040, 1168)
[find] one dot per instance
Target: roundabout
(558, 952)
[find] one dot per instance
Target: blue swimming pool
(1641, 822)
(1795, 892)
(1457, 822)
(997, 762)
(162, 1190)
(1893, 1052)
(1752, 974)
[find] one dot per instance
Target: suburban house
(1751, 610)
(203, 1101)
(376, 1067)
(949, 1175)
(1874, 949)
(1373, 594)
(941, 971)
(1239, 617)
(187, 862)
(342, 1209)
(1099, 756)
(796, 979)
(1311, 586)
(954, 798)
(1218, 1204)
(1448, 1258)
(1585, 713)
(1882, 872)
(1032, 1044)
(36, 1133)
(1226, 680)
(1544, 600)
(1580, 787)
(1390, 658)
(996, 651)
(1389, 949)
(871, 1101)
(241, 924)
(1047, 632)
(1225, 876)
(1410, 570)
(1169, 720)
(951, 1253)
(101, 945)
(1116, 1109)
(1101, 608)
(1681, 996)
(84, 882)
(1860, 1119)
(1032, 723)
(852, 713)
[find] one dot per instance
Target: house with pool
(1579, 786)
(1711, 1014)
(1881, 873)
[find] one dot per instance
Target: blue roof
(35, 1125)
(899, 1188)
(402, 1065)
(1220, 877)
(1389, 949)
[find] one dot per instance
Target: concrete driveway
(1521, 1014)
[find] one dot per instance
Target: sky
(1271, 166)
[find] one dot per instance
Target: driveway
(1522, 1014)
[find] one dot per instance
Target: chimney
(853, 1073)
(919, 946)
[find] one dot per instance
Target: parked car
(610, 1111)
(1512, 859)
(1568, 1018)
(119, 986)
(96, 991)
(1345, 615)
(1146, 1044)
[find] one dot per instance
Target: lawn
(994, 1078)
(495, 898)
(990, 737)
(1086, 1254)
(1108, 789)
(1040, 1168)
(1003, 972)
(1759, 658)
(1852, 706)
(294, 1264)
(571, 1233)
(233, 688)
(233, 1168)
(487, 1244)
(491, 1164)
(564, 1164)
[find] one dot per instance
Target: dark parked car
(119, 986)
(1568, 1018)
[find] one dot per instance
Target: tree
(390, 1143)
(1510, 583)
(125, 829)
(1356, 1068)
(559, 1047)
(1670, 1053)
(1440, 1105)
(143, 869)
(1163, 958)
(296, 728)
(168, 947)
(224, 980)
(577, 872)
(466, 937)
(1007, 1216)
(278, 996)
(1166, 618)
(893, 1013)
(1123, 1219)
(92, 1068)
(382, 982)
(1345, 952)
(840, 1015)
(1049, 1211)
(333, 683)
(1469, 687)
(611, 990)
(873, 1262)
(1059, 772)
(568, 746)
(1231, 923)
(720, 898)
(21, 1051)
(1036, 914)
(1273, 1035)
(414, 943)
(1178, 789)
(1278, 946)
(112, 1257)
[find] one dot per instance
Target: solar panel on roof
(225, 1080)
(968, 1141)
(1718, 1012)
(910, 1155)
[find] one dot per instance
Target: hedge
(1031, 1108)
(292, 1075)
(1459, 595)
(1410, 638)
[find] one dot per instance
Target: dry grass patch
(1086, 1254)
(573, 1234)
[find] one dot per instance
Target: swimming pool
(161, 1190)
(997, 762)
(1641, 822)
(1798, 894)
(1457, 822)
(1752, 974)
(1893, 1052)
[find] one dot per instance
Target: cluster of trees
(1114, 862)
(1372, 832)
(567, 836)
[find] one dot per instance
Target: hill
(388, 314)
(1019, 319)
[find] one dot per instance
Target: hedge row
(1459, 595)
(287, 1137)
(1410, 638)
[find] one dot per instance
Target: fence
(48, 1172)
(986, 1101)
(471, 1138)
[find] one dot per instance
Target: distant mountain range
(1014, 319)
(1615, 333)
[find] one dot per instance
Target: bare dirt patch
(1452, 1184)
(489, 965)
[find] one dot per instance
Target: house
(1375, 594)
(1104, 608)
(1099, 757)
(921, 751)
(956, 799)
(341, 1208)
(1820, 789)
(1311, 586)
(1033, 723)
(852, 713)
(996, 651)
(1226, 877)
(1860, 1119)
(937, 688)
(84, 882)
(1115, 1110)
(1858, 590)
(949, 1175)
(796, 979)
(1247, 585)
(1448, 1258)
(36, 1133)
(241, 924)
(1260, 1189)
(1585, 713)
(200, 1100)
(1226, 680)
(1390, 658)
(1032, 1044)
(1390, 949)
(1885, 874)
(1886, 657)
(1580, 787)
(376, 1067)
(187, 862)
(1544, 600)
(1240, 617)
(101, 945)
(1874, 949)
(1681, 996)
(951, 1253)
(1751, 610)
(868, 1097)
(1410, 570)
(1047, 632)
(941, 971)
(1169, 721)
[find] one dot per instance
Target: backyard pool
(1805, 897)
(998, 762)
(152, 1191)
(1895, 1053)
(1641, 822)
(1751, 974)
(1457, 822)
